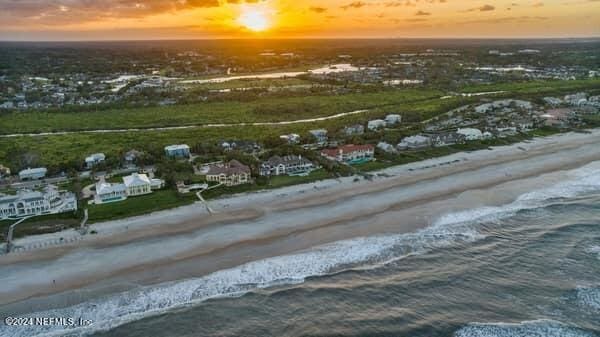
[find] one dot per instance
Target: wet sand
(188, 242)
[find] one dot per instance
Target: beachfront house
(107, 192)
(416, 142)
(350, 154)
(290, 165)
(133, 185)
(33, 173)
(137, 184)
(352, 130)
(446, 139)
(232, 173)
(392, 119)
(94, 159)
(376, 124)
(470, 133)
(28, 203)
(320, 135)
(177, 151)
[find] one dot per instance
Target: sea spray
(538, 328)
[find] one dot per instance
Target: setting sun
(254, 19)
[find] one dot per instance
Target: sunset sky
(185, 19)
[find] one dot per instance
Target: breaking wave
(537, 328)
(589, 297)
(580, 181)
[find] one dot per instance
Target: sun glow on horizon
(255, 19)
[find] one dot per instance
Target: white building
(414, 142)
(386, 147)
(376, 124)
(33, 173)
(33, 203)
(470, 133)
(392, 119)
(137, 184)
(292, 138)
(94, 159)
(177, 151)
(133, 185)
(106, 192)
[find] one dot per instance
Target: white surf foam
(593, 250)
(121, 308)
(589, 297)
(537, 328)
(579, 181)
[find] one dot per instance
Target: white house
(106, 192)
(376, 124)
(392, 119)
(386, 147)
(33, 203)
(133, 185)
(356, 129)
(414, 142)
(470, 133)
(137, 184)
(94, 159)
(33, 173)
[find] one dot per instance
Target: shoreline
(257, 225)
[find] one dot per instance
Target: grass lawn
(273, 182)
(40, 225)
(159, 200)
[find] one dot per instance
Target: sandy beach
(189, 242)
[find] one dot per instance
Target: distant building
(386, 147)
(131, 156)
(290, 165)
(292, 138)
(393, 119)
(350, 154)
(4, 171)
(356, 129)
(446, 139)
(320, 135)
(376, 124)
(94, 159)
(414, 143)
(33, 173)
(246, 146)
(177, 151)
(33, 203)
(232, 173)
(553, 101)
(471, 133)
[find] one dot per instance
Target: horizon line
(594, 37)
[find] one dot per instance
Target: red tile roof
(349, 148)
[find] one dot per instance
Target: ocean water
(529, 268)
